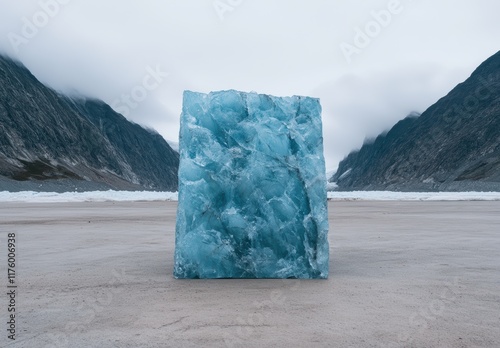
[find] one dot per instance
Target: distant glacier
(150, 196)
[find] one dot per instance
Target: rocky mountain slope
(51, 142)
(453, 145)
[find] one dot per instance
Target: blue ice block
(252, 188)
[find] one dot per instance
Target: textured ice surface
(252, 188)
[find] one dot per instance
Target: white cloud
(103, 49)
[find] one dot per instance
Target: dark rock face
(454, 145)
(46, 137)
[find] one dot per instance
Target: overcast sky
(370, 62)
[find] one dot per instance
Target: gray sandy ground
(403, 274)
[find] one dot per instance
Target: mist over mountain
(49, 141)
(453, 146)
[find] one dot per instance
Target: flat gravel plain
(402, 274)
